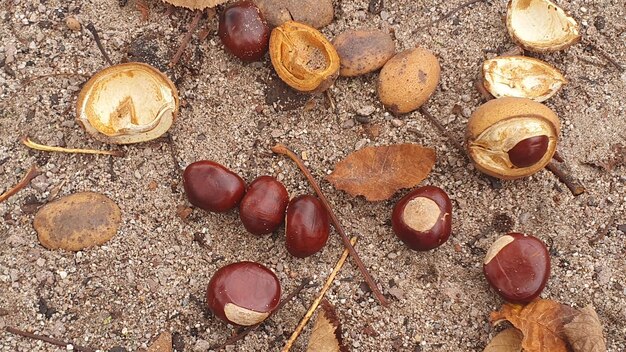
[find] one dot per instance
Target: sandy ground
(152, 276)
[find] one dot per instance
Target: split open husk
(302, 57)
(521, 76)
(540, 25)
(127, 103)
(195, 4)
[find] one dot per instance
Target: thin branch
(448, 14)
(186, 38)
(442, 129)
(573, 184)
(282, 149)
(31, 174)
(603, 232)
(243, 333)
(49, 340)
(29, 143)
(96, 37)
(606, 56)
(320, 296)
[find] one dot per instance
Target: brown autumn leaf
(541, 321)
(509, 340)
(378, 172)
(326, 334)
(584, 332)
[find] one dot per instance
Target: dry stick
(252, 328)
(574, 185)
(186, 38)
(31, 174)
(320, 296)
(46, 148)
(602, 233)
(282, 149)
(49, 340)
(96, 37)
(441, 129)
(608, 57)
(447, 15)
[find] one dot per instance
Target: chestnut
(517, 266)
(262, 209)
(529, 151)
(243, 293)
(212, 187)
(423, 218)
(306, 226)
(243, 31)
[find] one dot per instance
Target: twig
(49, 340)
(46, 148)
(449, 14)
(441, 129)
(243, 333)
(282, 149)
(606, 56)
(320, 296)
(573, 184)
(31, 174)
(96, 37)
(186, 38)
(603, 232)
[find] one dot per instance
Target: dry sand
(152, 276)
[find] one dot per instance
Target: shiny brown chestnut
(262, 209)
(243, 31)
(306, 226)
(243, 293)
(517, 266)
(423, 218)
(212, 187)
(529, 151)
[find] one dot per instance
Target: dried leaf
(584, 332)
(326, 335)
(163, 343)
(541, 322)
(509, 340)
(378, 172)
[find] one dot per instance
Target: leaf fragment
(509, 340)
(326, 335)
(378, 172)
(584, 332)
(163, 343)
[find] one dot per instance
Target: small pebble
(201, 346)
(72, 23)
(360, 144)
(366, 110)
(397, 123)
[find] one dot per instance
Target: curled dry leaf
(378, 172)
(509, 340)
(584, 332)
(540, 25)
(326, 335)
(521, 76)
(541, 322)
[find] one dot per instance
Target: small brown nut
(315, 13)
(303, 58)
(408, 79)
(511, 138)
(363, 51)
(540, 26)
(127, 103)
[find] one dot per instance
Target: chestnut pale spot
(497, 246)
(421, 214)
(242, 316)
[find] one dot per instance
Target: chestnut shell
(517, 266)
(262, 209)
(306, 226)
(244, 31)
(211, 186)
(440, 230)
(245, 284)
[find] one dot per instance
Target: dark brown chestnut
(262, 209)
(529, 151)
(243, 31)
(517, 266)
(212, 187)
(423, 218)
(306, 226)
(243, 293)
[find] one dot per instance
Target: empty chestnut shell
(423, 218)
(306, 226)
(212, 187)
(517, 266)
(262, 209)
(243, 293)
(243, 31)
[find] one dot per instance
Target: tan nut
(510, 138)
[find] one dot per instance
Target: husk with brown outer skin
(195, 4)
